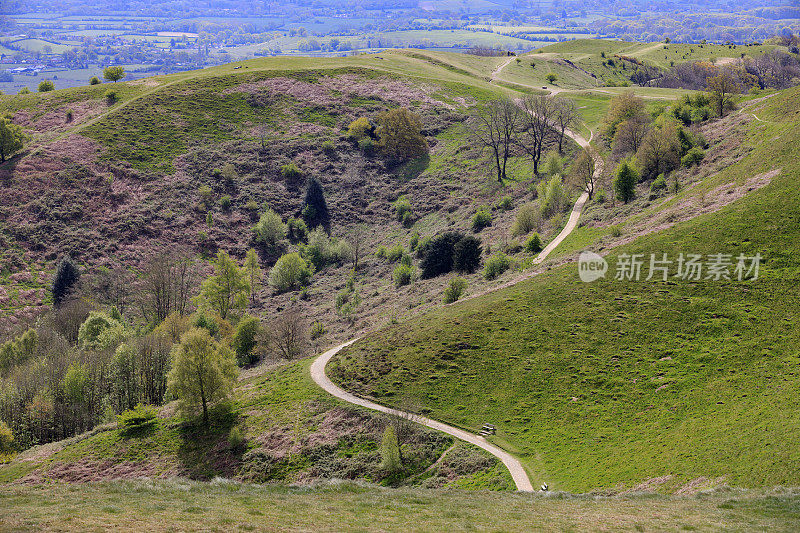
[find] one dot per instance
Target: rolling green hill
(608, 384)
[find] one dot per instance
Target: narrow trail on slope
(514, 466)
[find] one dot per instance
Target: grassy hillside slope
(608, 384)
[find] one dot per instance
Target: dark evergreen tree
(467, 254)
(65, 280)
(315, 209)
(437, 257)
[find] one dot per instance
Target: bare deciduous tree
(356, 239)
(539, 114)
(112, 286)
(566, 118)
(289, 333)
(494, 126)
(629, 135)
(165, 286)
(582, 173)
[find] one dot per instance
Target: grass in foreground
(222, 506)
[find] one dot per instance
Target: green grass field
(611, 383)
(187, 506)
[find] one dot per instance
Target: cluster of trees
(112, 342)
(396, 133)
(649, 148)
(772, 70)
(501, 127)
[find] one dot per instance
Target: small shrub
(140, 419)
(91, 333)
(367, 146)
(402, 275)
(552, 196)
(481, 219)
(600, 196)
(209, 219)
(381, 252)
(467, 254)
(270, 229)
(659, 184)
(616, 231)
(236, 438)
(111, 96)
(296, 230)
(244, 340)
(317, 330)
(693, 157)
(94, 80)
(359, 128)
(291, 172)
(534, 244)
(225, 203)
(46, 86)
(251, 205)
(506, 203)
(405, 259)
(70, 115)
(6, 439)
(401, 206)
(512, 247)
(495, 266)
(553, 164)
(328, 148)
(414, 242)
(454, 290)
(528, 219)
(24, 90)
(394, 253)
(437, 255)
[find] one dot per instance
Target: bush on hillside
(495, 266)
(528, 219)
(481, 219)
(467, 254)
(402, 275)
(290, 272)
(244, 340)
(454, 290)
(437, 257)
(270, 229)
(534, 244)
(359, 128)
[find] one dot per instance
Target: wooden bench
(487, 429)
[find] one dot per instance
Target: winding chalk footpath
(514, 466)
(516, 469)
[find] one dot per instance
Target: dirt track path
(514, 466)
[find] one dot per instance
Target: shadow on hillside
(205, 452)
